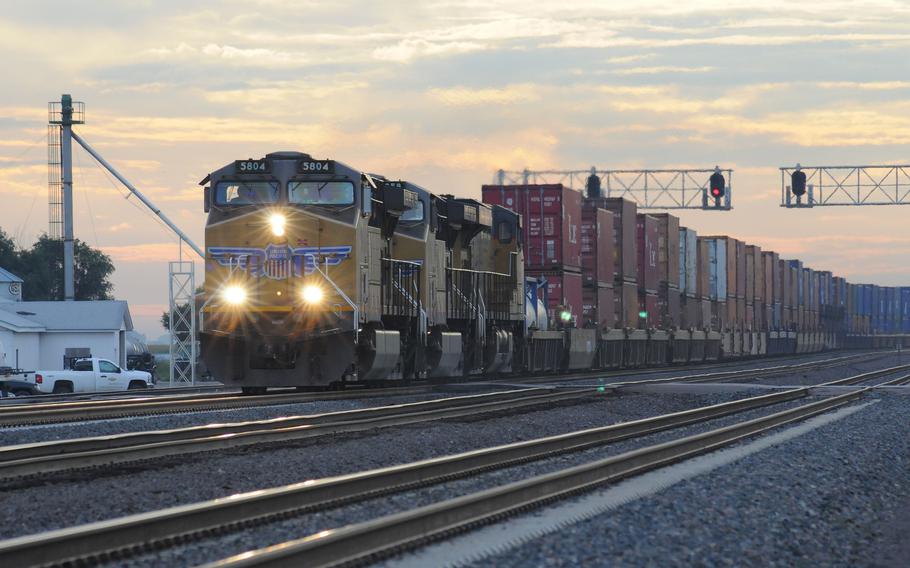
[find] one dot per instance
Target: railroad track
(147, 532)
(22, 461)
(871, 375)
(51, 413)
(103, 409)
(70, 455)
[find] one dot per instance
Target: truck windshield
(246, 192)
(321, 192)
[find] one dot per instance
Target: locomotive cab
(286, 297)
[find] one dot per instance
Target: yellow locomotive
(319, 274)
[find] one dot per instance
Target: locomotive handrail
(341, 293)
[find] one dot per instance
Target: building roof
(96, 315)
(17, 323)
(7, 276)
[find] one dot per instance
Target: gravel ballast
(95, 495)
(251, 538)
(111, 426)
(835, 496)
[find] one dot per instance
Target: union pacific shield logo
(278, 262)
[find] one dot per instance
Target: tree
(41, 267)
(9, 256)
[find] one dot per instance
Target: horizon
(444, 94)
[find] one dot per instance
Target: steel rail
(856, 379)
(50, 413)
(112, 441)
(93, 410)
(397, 532)
(188, 522)
(895, 382)
(761, 373)
(81, 460)
(107, 396)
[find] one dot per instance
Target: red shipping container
(647, 253)
(597, 257)
(647, 302)
(625, 266)
(598, 307)
(740, 270)
(551, 215)
(564, 290)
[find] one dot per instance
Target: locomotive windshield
(246, 192)
(321, 192)
(413, 214)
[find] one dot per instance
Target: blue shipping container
(905, 309)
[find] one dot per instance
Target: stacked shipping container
(605, 263)
(551, 219)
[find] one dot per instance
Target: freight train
(319, 274)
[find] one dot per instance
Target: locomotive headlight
(277, 221)
(311, 294)
(234, 295)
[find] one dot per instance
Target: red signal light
(715, 192)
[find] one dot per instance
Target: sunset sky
(445, 93)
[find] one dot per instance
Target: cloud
(464, 96)
(662, 69)
(119, 227)
(630, 58)
(839, 125)
(409, 49)
(865, 86)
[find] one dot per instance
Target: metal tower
(181, 274)
(61, 118)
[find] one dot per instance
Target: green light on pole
(566, 315)
(642, 314)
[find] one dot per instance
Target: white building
(38, 335)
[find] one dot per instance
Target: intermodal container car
(647, 274)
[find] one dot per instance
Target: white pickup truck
(89, 375)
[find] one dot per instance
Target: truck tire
(63, 387)
(22, 392)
